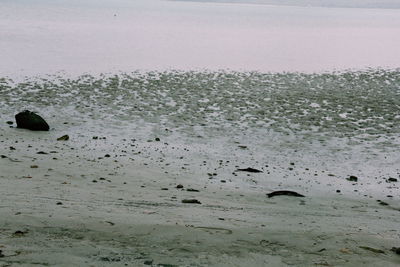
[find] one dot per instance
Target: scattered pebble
(284, 193)
(382, 203)
(352, 178)
(63, 138)
(373, 249)
(191, 201)
(192, 190)
(396, 250)
(249, 170)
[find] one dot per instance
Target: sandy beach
(173, 122)
(112, 194)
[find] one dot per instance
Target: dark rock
(1, 254)
(179, 186)
(63, 138)
(157, 139)
(32, 121)
(42, 153)
(284, 193)
(148, 262)
(3, 156)
(191, 201)
(249, 170)
(10, 122)
(164, 188)
(391, 180)
(352, 178)
(396, 250)
(338, 191)
(19, 233)
(59, 203)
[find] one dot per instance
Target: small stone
(63, 138)
(107, 155)
(249, 170)
(148, 262)
(34, 166)
(18, 233)
(382, 203)
(284, 193)
(375, 250)
(10, 122)
(157, 139)
(391, 180)
(191, 201)
(396, 250)
(164, 188)
(338, 191)
(95, 137)
(59, 203)
(352, 178)
(192, 190)
(179, 186)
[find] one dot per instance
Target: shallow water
(76, 37)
